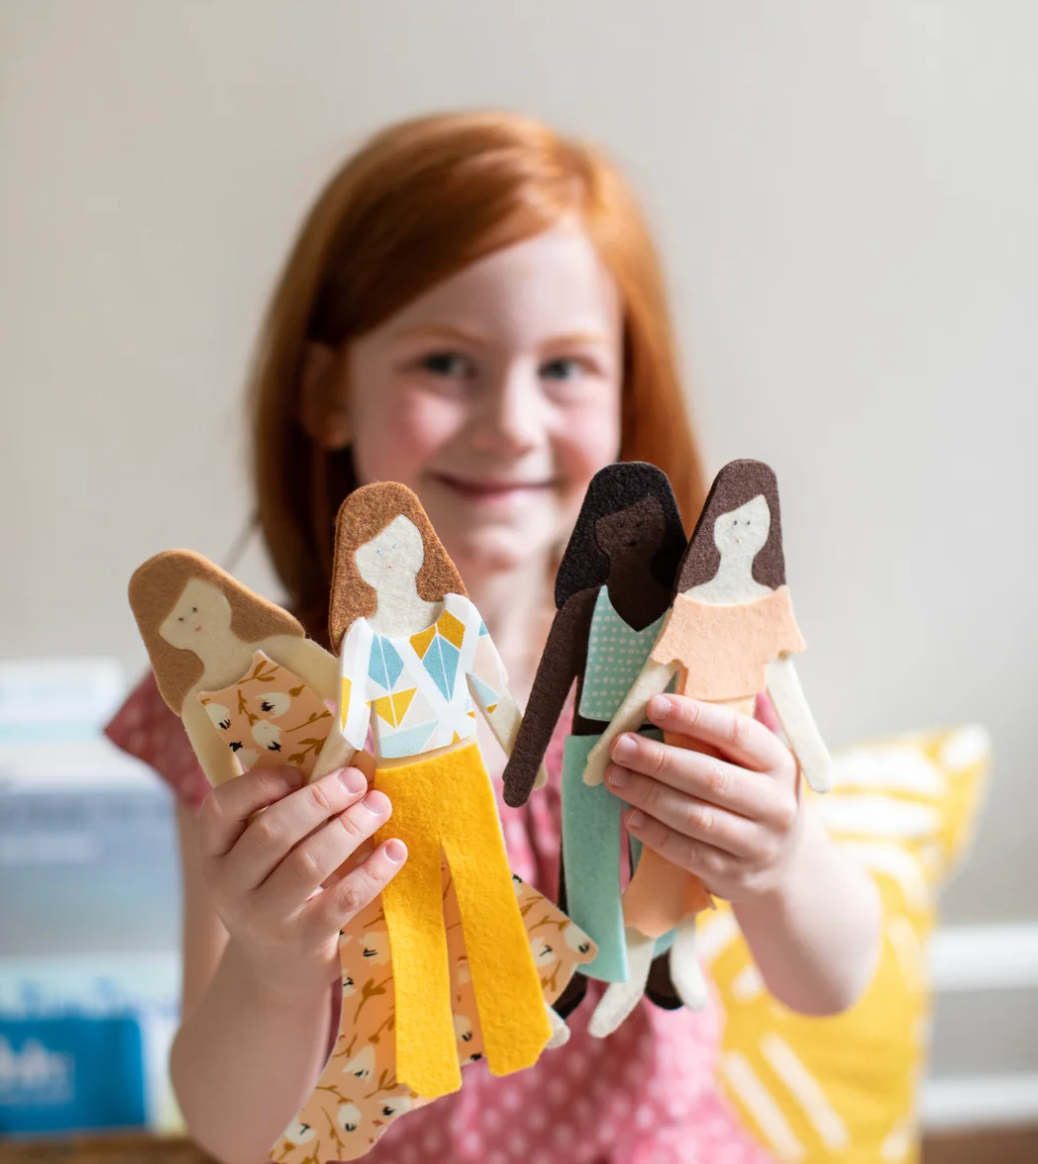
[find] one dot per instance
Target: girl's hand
(265, 869)
(731, 816)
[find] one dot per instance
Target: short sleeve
(144, 727)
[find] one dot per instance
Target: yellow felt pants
(447, 802)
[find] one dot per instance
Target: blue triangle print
(441, 661)
(385, 664)
(486, 695)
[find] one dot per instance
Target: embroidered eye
(179, 619)
(194, 609)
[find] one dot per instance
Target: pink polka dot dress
(646, 1095)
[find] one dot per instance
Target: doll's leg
(426, 1047)
(591, 839)
(622, 997)
(512, 1013)
(685, 970)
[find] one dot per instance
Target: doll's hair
(155, 589)
(362, 516)
(737, 483)
(613, 489)
(417, 203)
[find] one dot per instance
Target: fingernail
(635, 819)
(396, 851)
(377, 803)
(624, 748)
(353, 780)
(659, 706)
(618, 777)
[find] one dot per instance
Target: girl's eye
(561, 369)
(446, 364)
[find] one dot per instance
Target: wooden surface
(984, 1148)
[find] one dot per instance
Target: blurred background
(845, 197)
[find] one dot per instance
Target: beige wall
(845, 194)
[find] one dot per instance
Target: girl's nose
(510, 419)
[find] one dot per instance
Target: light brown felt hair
(737, 483)
(418, 202)
(156, 587)
(364, 515)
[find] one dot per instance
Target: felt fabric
(724, 650)
(421, 686)
(660, 895)
(616, 654)
(736, 484)
(364, 514)
(358, 1095)
(593, 841)
(269, 718)
(446, 801)
(562, 661)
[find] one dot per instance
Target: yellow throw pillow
(843, 1090)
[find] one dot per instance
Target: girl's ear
(323, 397)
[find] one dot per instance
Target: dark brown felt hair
(155, 588)
(363, 515)
(617, 487)
(737, 483)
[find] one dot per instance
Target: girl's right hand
(265, 869)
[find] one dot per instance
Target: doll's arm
(565, 656)
(488, 685)
(798, 723)
(652, 681)
(317, 668)
(215, 757)
(351, 707)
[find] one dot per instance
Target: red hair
(417, 203)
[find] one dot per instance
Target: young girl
(474, 309)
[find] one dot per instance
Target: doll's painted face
(495, 396)
(391, 559)
(635, 531)
(741, 534)
(201, 611)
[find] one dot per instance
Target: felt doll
(253, 691)
(614, 585)
(415, 657)
(728, 638)
(251, 688)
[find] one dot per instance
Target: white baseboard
(979, 959)
(980, 1101)
(996, 957)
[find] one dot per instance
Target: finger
(736, 736)
(333, 908)
(706, 777)
(710, 864)
(686, 815)
(225, 812)
(317, 856)
(271, 836)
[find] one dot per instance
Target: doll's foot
(560, 1032)
(685, 971)
(622, 997)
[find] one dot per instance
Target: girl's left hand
(729, 815)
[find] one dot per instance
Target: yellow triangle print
(421, 641)
(452, 629)
(401, 702)
(491, 708)
(393, 708)
(457, 739)
(344, 703)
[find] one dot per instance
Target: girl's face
(496, 397)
